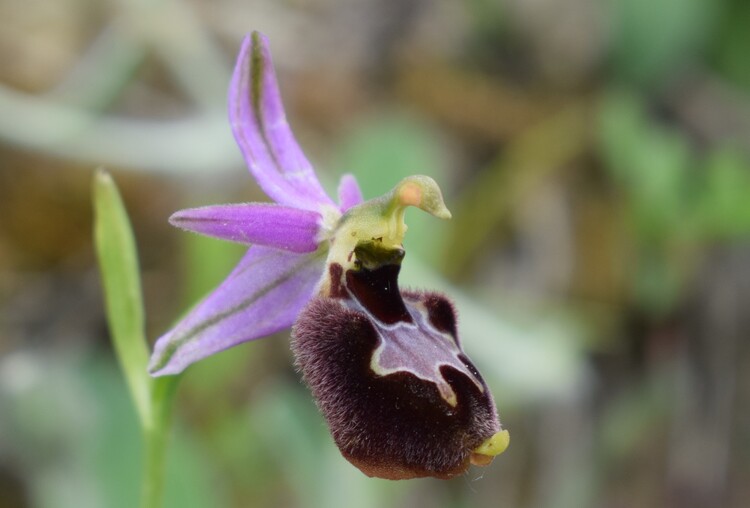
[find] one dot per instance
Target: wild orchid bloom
(386, 368)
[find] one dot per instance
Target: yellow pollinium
(495, 445)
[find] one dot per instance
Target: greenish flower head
(376, 228)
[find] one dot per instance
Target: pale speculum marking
(417, 348)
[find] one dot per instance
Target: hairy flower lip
(392, 425)
(386, 369)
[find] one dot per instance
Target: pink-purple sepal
(263, 295)
(260, 127)
(266, 224)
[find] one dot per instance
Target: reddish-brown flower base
(393, 426)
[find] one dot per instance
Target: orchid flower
(386, 367)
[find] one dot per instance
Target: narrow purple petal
(267, 224)
(259, 123)
(349, 192)
(263, 295)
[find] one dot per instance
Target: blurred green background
(595, 156)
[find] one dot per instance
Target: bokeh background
(595, 156)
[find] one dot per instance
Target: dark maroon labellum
(387, 372)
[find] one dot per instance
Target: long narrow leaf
(118, 265)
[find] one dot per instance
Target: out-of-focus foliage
(653, 41)
(595, 156)
(678, 199)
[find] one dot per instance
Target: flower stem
(152, 397)
(155, 438)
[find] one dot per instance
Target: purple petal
(263, 134)
(267, 224)
(263, 295)
(349, 192)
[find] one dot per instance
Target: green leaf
(118, 265)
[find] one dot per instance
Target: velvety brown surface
(395, 426)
